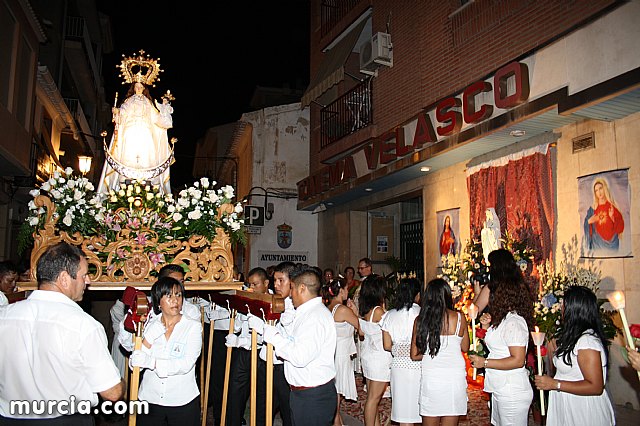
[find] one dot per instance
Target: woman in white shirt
(397, 329)
(511, 319)
(581, 365)
(376, 362)
(171, 346)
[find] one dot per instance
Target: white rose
(67, 220)
(149, 196)
(213, 197)
(56, 174)
(171, 208)
(121, 193)
(52, 181)
(130, 199)
(62, 180)
(68, 171)
(235, 226)
(205, 182)
(56, 194)
(89, 186)
(238, 208)
(46, 186)
(183, 193)
(77, 195)
(33, 221)
(113, 199)
(177, 217)
(195, 215)
(71, 183)
(34, 192)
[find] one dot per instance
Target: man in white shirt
(281, 390)
(51, 350)
(308, 352)
(8, 277)
(240, 374)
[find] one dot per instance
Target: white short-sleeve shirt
(52, 350)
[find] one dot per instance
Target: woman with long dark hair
(397, 329)
(335, 292)
(511, 320)
(376, 362)
(581, 365)
(439, 338)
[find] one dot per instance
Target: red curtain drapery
(522, 193)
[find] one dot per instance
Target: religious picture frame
(447, 232)
(604, 206)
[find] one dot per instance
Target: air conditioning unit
(375, 52)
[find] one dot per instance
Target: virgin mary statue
(139, 147)
(490, 234)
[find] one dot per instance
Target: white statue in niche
(490, 235)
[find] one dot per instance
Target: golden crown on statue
(140, 69)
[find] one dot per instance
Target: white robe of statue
(490, 235)
(141, 141)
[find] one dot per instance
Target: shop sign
(508, 88)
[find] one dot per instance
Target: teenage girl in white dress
(439, 338)
(577, 394)
(376, 362)
(509, 324)
(396, 338)
(336, 293)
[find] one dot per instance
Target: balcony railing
(332, 12)
(348, 114)
(77, 30)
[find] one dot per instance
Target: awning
(331, 70)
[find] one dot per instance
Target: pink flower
(133, 223)
(156, 258)
(121, 253)
(141, 239)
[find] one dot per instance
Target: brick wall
(438, 53)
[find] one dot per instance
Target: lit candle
(538, 340)
(616, 299)
(473, 314)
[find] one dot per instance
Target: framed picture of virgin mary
(604, 203)
(448, 231)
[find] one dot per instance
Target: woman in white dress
(397, 329)
(171, 347)
(346, 323)
(439, 338)
(509, 324)
(376, 362)
(577, 394)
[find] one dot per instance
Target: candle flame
(537, 329)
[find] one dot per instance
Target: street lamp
(84, 164)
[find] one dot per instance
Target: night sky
(213, 54)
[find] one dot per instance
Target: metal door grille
(411, 247)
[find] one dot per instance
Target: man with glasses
(365, 270)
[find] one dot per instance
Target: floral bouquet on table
(522, 253)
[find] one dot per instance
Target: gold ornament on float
(140, 69)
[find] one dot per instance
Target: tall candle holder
(538, 340)
(616, 298)
(473, 314)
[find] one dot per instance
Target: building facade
(52, 101)
(418, 108)
(270, 146)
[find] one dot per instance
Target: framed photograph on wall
(604, 204)
(448, 231)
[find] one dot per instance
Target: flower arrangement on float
(135, 229)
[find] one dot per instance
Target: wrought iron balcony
(347, 114)
(332, 12)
